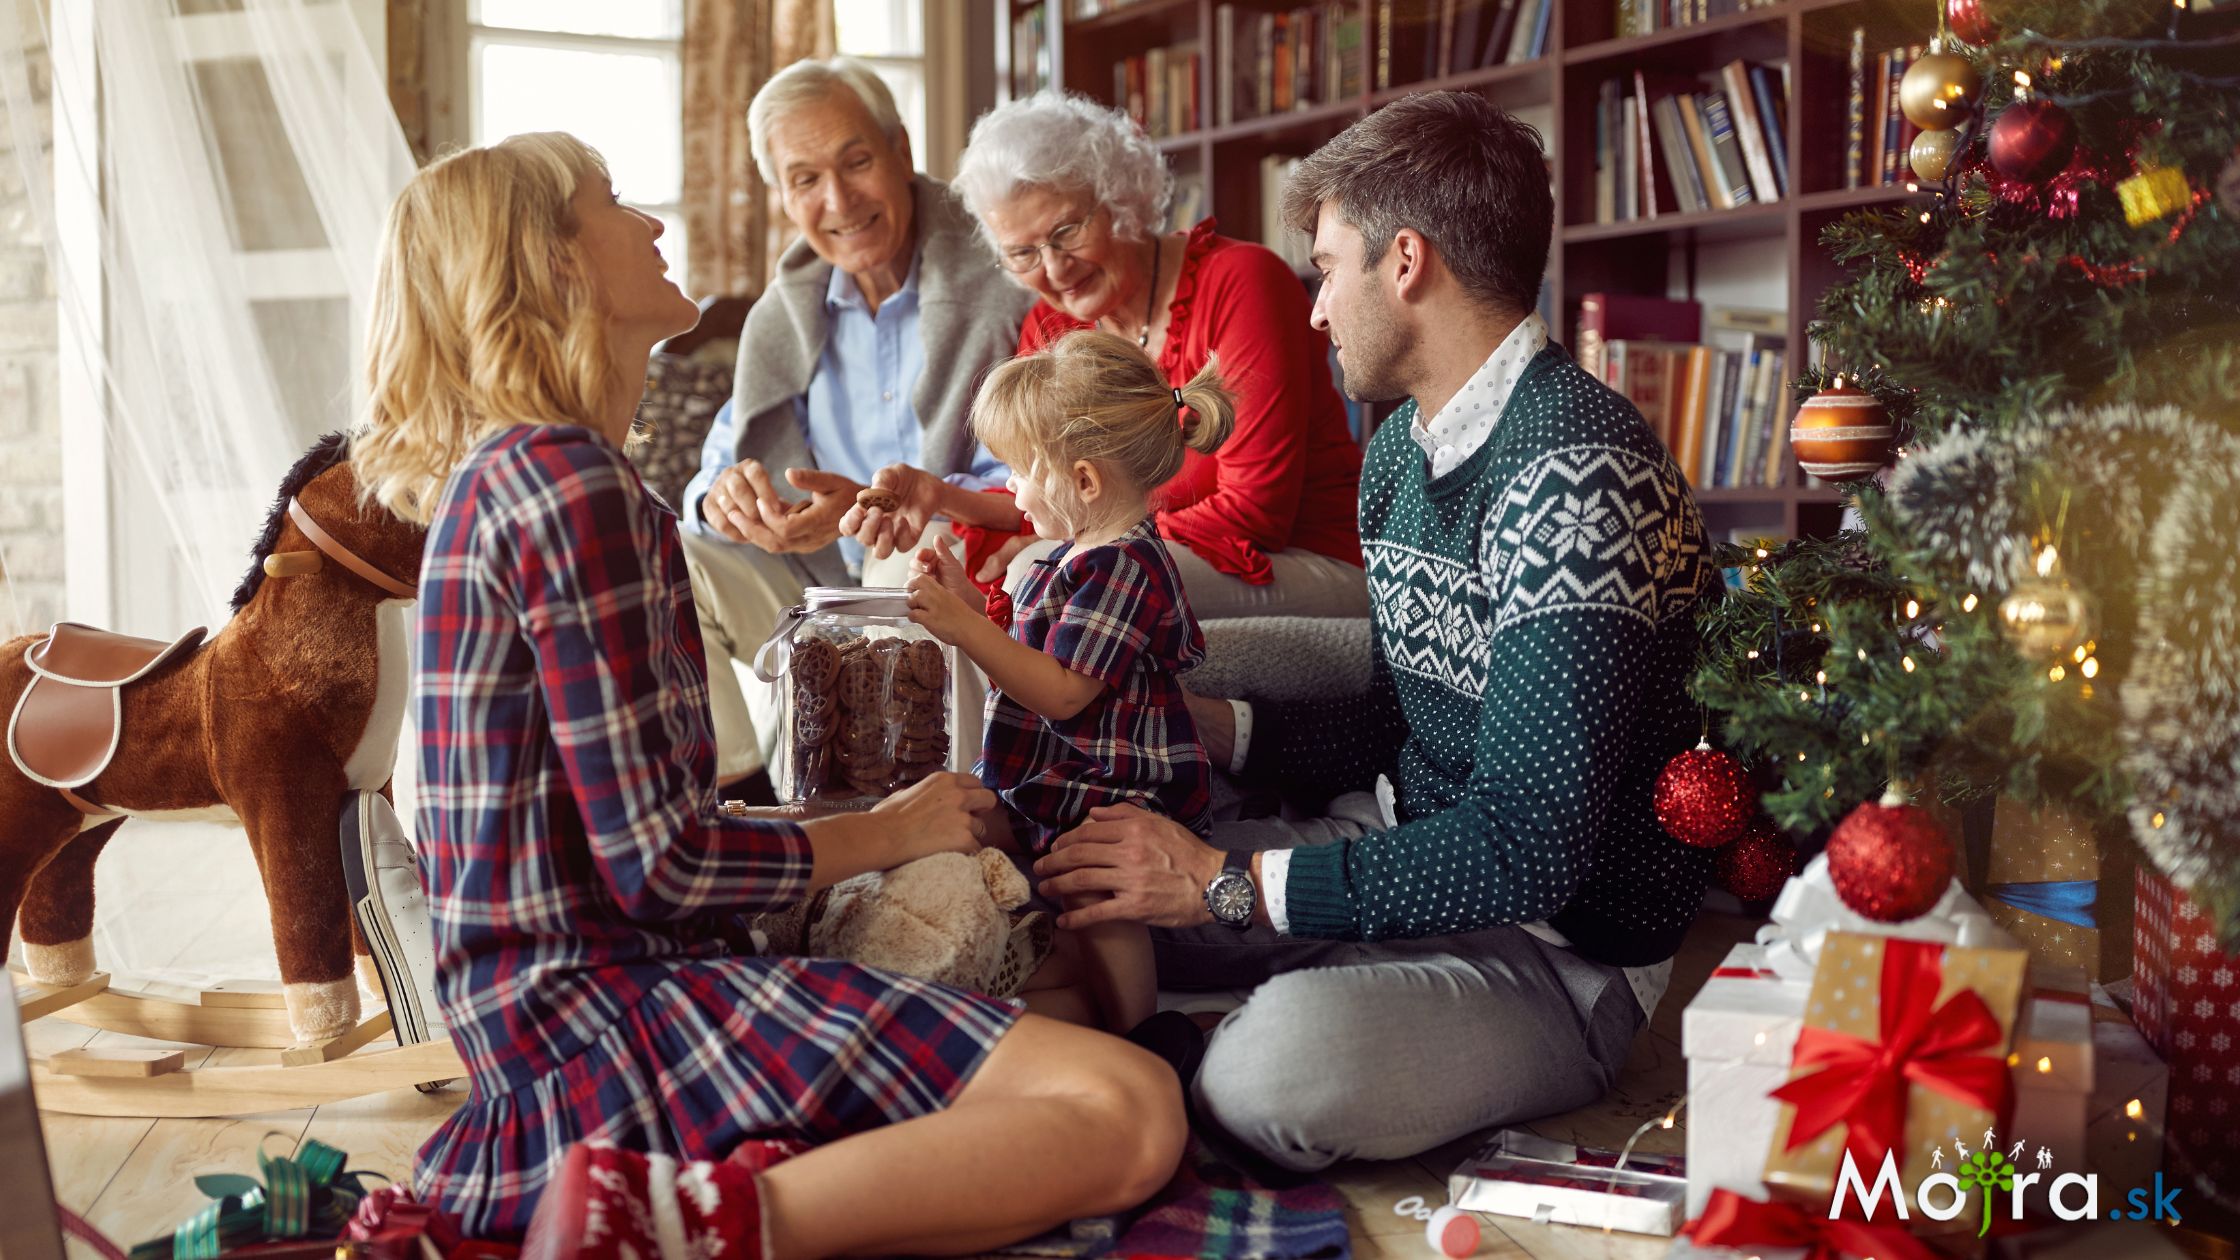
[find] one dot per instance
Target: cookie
(922, 751)
(815, 664)
(863, 686)
(876, 498)
(928, 668)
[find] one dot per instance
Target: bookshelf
(1081, 42)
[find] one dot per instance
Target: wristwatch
(1231, 896)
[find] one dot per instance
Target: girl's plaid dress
(586, 893)
(1117, 614)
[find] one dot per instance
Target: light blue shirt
(858, 411)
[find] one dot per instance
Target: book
(1606, 153)
(1893, 118)
(1384, 44)
(1672, 149)
(1530, 14)
(1469, 36)
(1608, 317)
(1855, 127)
(1501, 24)
(1349, 49)
(1690, 106)
(1690, 401)
(1726, 148)
(1750, 134)
(1769, 86)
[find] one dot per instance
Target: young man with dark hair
(1485, 916)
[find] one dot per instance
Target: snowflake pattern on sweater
(1535, 625)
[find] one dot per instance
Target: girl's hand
(943, 566)
(938, 814)
(946, 615)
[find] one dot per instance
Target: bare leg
(1058, 1123)
(1059, 988)
(1121, 970)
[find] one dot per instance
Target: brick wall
(30, 427)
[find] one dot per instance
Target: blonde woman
(582, 878)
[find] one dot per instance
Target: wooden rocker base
(248, 1089)
(233, 1014)
(151, 1085)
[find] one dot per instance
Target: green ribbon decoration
(301, 1193)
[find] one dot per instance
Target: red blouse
(1290, 474)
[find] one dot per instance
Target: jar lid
(852, 601)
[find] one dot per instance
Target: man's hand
(882, 532)
(992, 569)
(1151, 869)
(744, 506)
(938, 814)
(1217, 728)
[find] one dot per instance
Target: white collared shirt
(1464, 424)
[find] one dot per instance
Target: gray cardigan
(968, 316)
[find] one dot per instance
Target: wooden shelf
(1755, 219)
(1634, 45)
(1128, 15)
(1524, 73)
(1636, 256)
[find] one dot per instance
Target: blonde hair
(1097, 397)
(484, 315)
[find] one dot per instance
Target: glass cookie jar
(864, 694)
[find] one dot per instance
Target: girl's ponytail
(1208, 410)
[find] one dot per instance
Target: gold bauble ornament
(1842, 433)
(2046, 617)
(1938, 91)
(1932, 154)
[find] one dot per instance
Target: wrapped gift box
(1741, 1030)
(1859, 983)
(2055, 888)
(1551, 1182)
(2188, 1008)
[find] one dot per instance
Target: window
(890, 37)
(529, 61)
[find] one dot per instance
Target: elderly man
(1476, 928)
(864, 352)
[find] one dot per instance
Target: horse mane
(328, 451)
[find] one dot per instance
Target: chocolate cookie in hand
(877, 499)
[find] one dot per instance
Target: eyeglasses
(1064, 239)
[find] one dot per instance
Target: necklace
(1151, 300)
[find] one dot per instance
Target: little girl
(1085, 708)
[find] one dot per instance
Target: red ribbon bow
(1866, 1083)
(1729, 1220)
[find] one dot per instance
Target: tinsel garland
(2181, 705)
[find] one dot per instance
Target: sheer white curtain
(207, 181)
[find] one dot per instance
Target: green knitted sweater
(1534, 628)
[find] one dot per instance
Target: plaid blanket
(1212, 1211)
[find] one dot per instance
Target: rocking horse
(278, 723)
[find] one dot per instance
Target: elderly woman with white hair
(1071, 196)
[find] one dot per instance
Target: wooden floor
(134, 1179)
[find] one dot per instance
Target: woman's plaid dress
(586, 893)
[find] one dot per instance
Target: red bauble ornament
(1890, 861)
(1757, 863)
(1704, 797)
(1968, 20)
(2032, 139)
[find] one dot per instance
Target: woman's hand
(940, 598)
(937, 814)
(883, 532)
(999, 561)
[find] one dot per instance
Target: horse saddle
(66, 725)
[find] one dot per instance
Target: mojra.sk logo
(1986, 1175)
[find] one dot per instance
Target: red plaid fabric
(584, 888)
(1117, 614)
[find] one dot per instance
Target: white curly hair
(1062, 141)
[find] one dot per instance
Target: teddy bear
(947, 918)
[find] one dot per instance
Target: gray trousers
(1352, 1050)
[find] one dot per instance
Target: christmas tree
(2042, 601)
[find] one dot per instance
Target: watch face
(1230, 897)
